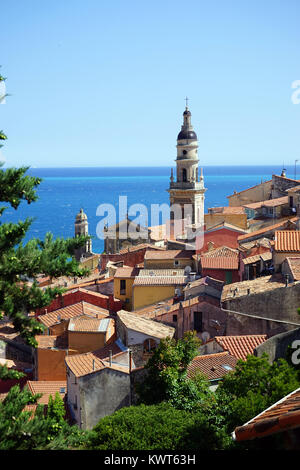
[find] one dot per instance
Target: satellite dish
(205, 336)
(177, 291)
(187, 270)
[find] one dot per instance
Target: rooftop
(65, 313)
(221, 262)
(220, 258)
(287, 240)
(268, 228)
(126, 272)
(227, 210)
(52, 342)
(224, 225)
(152, 328)
(86, 324)
(168, 254)
(153, 277)
(294, 264)
(254, 259)
(280, 201)
(247, 189)
(140, 246)
(220, 252)
(280, 417)
(47, 388)
(88, 363)
(205, 281)
(240, 346)
(213, 366)
(255, 286)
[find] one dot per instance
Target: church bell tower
(188, 189)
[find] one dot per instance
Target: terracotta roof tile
(126, 272)
(141, 246)
(153, 277)
(223, 262)
(280, 417)
(71, 311)
(87, 324)
(227, 210)
(169, 254)
(240, 346)
(87, 363)
(287, 240)
(47, 388)
(266, 229)
(221, 252)
(52, 342)
(280, 201)
(213, 366)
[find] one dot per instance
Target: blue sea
(64, 191)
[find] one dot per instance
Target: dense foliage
(189, 415)
(167, 379)
(157, 427)
(24, 428)
(255, 385)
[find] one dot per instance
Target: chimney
(130, 361)
(286, 280)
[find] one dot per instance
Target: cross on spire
(186, 101)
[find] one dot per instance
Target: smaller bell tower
(82, 228)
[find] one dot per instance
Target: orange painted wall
(50, 364)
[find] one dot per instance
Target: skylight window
(227, 367)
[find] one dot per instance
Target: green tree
(157, 427)
(56, 408)
(254, 385)
(23, 428)
(21, 262)
(167, 379)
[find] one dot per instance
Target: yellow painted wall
(147, 295)
(239, 220)
(261, 192)
(167, 264)
(90, 263)
(127, 295)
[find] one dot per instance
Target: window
(198, 321)
(149, 345)
(184, 178)
(228, 277)
(176, 262)
(174, 318)
(123, 286)
(227, 367)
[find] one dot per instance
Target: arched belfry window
(184, 178)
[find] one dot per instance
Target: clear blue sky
(102, 83)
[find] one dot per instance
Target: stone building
(188, 189)
(140, 334)
(81, 228)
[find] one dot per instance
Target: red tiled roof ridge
(267, 228)
(279, 417)
(205, 356)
